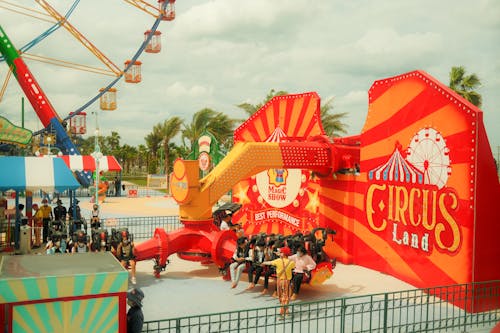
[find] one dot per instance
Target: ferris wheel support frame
(39, 101)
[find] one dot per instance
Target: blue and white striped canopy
(35, 173)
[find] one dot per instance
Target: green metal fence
(143, 227)
(418, 310)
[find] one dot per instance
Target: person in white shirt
(304, 263)
(226, 221)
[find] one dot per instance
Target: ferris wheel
(428, 153)
(76, 51)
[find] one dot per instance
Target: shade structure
(35, 173)
(87, 163)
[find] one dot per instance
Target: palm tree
(250, 109)
(127, 154)
(153, 141)
(168, 130)
(198, 124)
(465, 85)
(142, 157)
(222, 127)
(113, 142)
(332, 122)
(217, 123)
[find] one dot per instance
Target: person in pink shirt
(304, 263)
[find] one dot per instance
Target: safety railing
(418, 310)
(130, 191)
(142, 227)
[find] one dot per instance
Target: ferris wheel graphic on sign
(428, 153)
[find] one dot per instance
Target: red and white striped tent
(87, 163)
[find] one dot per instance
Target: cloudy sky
(220, 53)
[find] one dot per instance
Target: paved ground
(166, 296)
(189, 288)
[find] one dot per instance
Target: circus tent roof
(35, 173)
(87, 163)
(397, 169)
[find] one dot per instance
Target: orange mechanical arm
(196, 196)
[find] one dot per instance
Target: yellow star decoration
(240, 192)
(313, 203)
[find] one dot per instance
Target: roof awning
(35, 173)
(87, 163)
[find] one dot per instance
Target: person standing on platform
(118, 185)
(60, 212)
(284, 267)
(37, 225)
(47, 217)
(135, 317)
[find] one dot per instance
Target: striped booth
(84, 292)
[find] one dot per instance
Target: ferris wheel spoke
(80, 37)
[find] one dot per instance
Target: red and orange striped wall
(423, 207)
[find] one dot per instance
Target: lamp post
(97, 156)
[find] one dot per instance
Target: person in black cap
(60, 212)
(135, 317)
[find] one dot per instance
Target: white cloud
(178, 90)
(219, 53)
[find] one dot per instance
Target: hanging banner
(10, 133)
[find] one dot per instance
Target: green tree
(217, 123)
(222, 127)
(466, 85)
(127, 154)
(332, 122)
(113, 142)
(143, 156)
(153, 144)
(198, 124)
(168, 130)
(250, 109)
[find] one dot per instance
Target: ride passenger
(270, 253)
(81, 243)
(95, 221)
(125, 253)
(225, 223)
(257, 257)
(304, 264)
(99, 241)
(238, 264)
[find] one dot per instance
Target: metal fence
(417, 310)
(143, 227)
